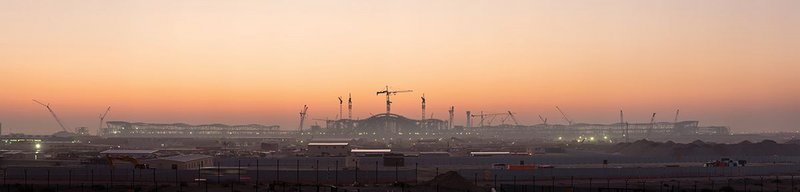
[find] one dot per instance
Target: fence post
(476, 179)
(494, 180)
(178, 181)
(297, 175)
(336, 173)
(111, 178)
(416, 172)
(514, 183)
(155, 183)
(277, 170)
(590, 184)
(356, 170)
(258, 170)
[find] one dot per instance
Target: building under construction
(180, 130)
(390, 125)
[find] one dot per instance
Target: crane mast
(349, 106)
(452, 114)
(389, 93)
(102, 118)
(652, 124)
(52, 113)
(510, 114)
(544, 120)
(569, 122)
(423, 106)
(303, 116)
(340, 108)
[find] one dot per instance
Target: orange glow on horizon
(721, 62)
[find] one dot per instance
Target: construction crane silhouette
(388, 93)
(349, 106)
(483, 116)
(452, 114)
(303, 116)
(510, 114)
(652, 124)
(569, 122)
(623, 125)
(423, 106)
(102, 118)
(340, 108)
(544, 120)
(52, 113)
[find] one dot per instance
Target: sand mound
(451, 181)
(700, 148)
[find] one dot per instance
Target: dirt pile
(451, 181)
(700, 148)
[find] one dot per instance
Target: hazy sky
(723, 62)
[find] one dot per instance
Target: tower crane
(569, 122)
(340, 107)
(423, 106)
(544, 120)
(388, 93)
(52, 113)
(510, 114)
(652, 124)
(485, 115)
(349, 106)
(452, 114)
(102, 118)
(303, 116)
(623, 125)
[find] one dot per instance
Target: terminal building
(179, 130)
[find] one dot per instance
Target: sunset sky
(722, 62)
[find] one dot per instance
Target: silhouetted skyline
(728, 63)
